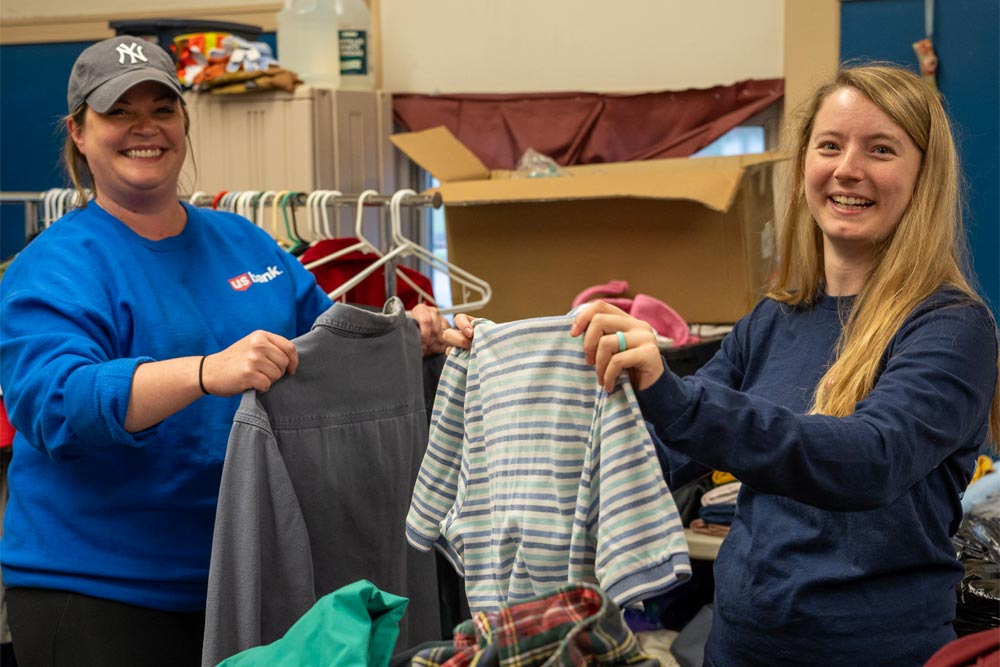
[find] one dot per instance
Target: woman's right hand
(461, 335)
(614, 341)
(253, 362)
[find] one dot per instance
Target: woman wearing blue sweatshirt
(851, 402)
(128, 330)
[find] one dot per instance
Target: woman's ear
(76, 133)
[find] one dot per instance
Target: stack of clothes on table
(718, 505)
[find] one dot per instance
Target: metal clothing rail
(32, 200)
(23, 197)
(432, 200)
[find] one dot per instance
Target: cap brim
(104, 96)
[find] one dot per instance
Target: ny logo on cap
(133, 51)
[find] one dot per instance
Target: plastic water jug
(307, 41)
(354, 23)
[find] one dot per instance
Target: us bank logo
(242, 282)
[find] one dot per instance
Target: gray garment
(317, 482)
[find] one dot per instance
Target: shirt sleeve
(65, 390)
(931, 399)
(725, 368)
(437, 487)
(633, 536)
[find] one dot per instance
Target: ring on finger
(622, 343)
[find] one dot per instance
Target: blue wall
(967, 42)
(32, 101)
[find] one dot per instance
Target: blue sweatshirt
(840, 551)
(94, 509)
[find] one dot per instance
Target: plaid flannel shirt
(575, 625)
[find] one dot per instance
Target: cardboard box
(695, 233)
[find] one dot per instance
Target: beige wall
(812, 46)
(27, 21)
(524, 45)
(557, 45)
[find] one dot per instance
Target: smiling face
(859, 175)
(138, 147)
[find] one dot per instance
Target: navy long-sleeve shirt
(840, 550)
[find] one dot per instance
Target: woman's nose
(144, 124)
(849, 167)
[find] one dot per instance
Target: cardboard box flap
(438, 151)
(715, 187)
(465, 180)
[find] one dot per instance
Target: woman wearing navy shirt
(851, 402)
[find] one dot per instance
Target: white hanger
(324, 230)
(258, 218)
(374, 266)
(65, 201)
(405, 247)
(331, 230)
(476, 292)
(49, 206)
(312, 208)
(363, 244)
(242, 204)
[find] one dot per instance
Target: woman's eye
(828, 146)
(883, 150)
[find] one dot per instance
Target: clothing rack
(54, 203)
(432, 200)
(32, 200)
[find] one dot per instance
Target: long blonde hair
(927, 251)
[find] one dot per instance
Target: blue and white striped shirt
(534, 476)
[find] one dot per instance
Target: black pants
(57, 628)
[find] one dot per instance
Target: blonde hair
(75, 162)
(927, 250)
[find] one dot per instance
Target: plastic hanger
(265, 197)
(288, 210)
(476, 292)
(363, 245)
(198, 194)
(49, 206)
(65, 201)
(404, 247)
(244, 203)
(312, 207)
(275, 207)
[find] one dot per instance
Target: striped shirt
(534, 476)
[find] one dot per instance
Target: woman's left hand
(432, 326)
(614, 341)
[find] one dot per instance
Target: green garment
(354, 626)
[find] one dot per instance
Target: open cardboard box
(693, 232)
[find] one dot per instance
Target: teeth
(851, 201)
(148, 152)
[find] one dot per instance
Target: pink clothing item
(613, 288)
(665, 320)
